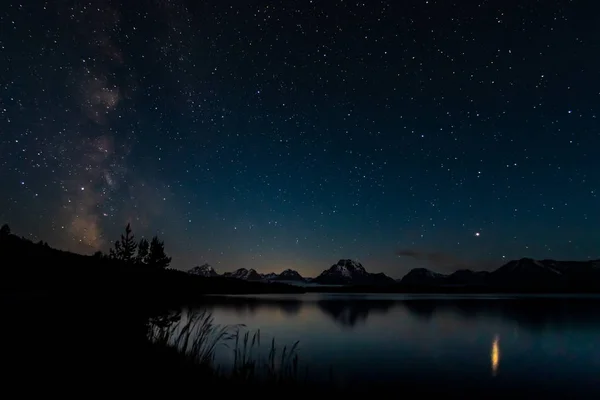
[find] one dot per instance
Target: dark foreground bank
(58, 346)
(78, 325)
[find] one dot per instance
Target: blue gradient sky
(274, 135)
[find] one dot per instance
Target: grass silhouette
(196, 339)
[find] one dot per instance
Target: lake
(486, 340)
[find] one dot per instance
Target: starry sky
(290, 134)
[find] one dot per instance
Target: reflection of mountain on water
(423, 309)
(529, 313)
(350, 312)
(253, 305)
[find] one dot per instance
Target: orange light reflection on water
(495, 355)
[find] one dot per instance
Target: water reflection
(349, 312)
(495, 355)
(251, 305)
(426, 339)
(422, 309)
(533, 314)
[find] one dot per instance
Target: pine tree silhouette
(142, 252)
(113, 253)
(5, 230)
(157, 257)
(125, 248)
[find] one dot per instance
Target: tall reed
(199, 336)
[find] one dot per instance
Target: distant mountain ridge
(350, 272)
(39, 268)
(289, 275)
(525, 273)
(345, 272)
(203, 270)
(245, 274)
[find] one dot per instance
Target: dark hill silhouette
(468, 277)
(77, 314)
(519, 276)
(525, 275)
(32, 267)
(36, 267)
(422, 276)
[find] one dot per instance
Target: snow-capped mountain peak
(287, 275)
(347, 268)
(269, 276)
(203, 270)
(290, 275)
(350, 272)
(243, 273)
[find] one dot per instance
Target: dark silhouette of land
(72, 321)
(38, 268)
(74, 318)
(519, 276)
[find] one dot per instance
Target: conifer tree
(5, 230)
(156, 256)
(125, 248)
(142, 252)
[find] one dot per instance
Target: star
(295, 125)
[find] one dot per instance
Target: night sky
(290, 134)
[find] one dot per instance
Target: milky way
(290, 134)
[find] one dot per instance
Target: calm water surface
(458, 340)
